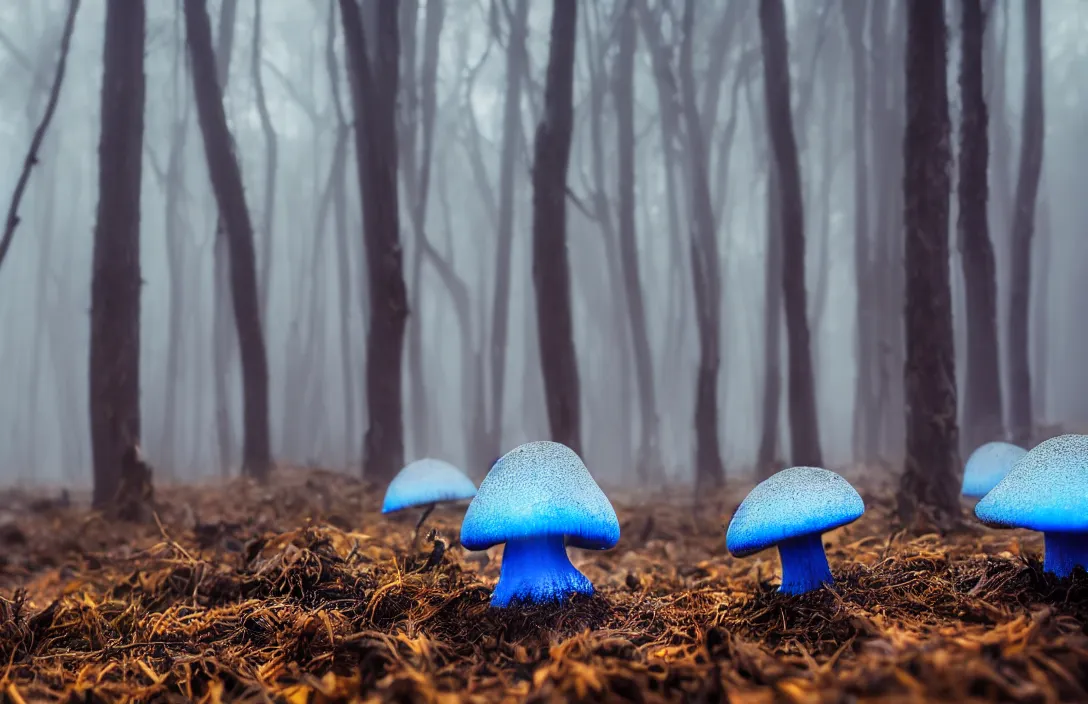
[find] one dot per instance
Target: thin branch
(12, 221)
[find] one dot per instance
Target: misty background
(315, 313)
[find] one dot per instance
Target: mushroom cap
(1046, 490)
(988, 465)
(427, 481)
(540, 489)
(794, 502)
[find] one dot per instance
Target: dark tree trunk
(374, 93)
(767, 460)
(706, 277)
(1023, 227)
(649, 453)
(115, 280)
(551, 269)
(864, 407)
(932, 473)
(804, 426)
(982, 421)
(511, 139)
(226, 178)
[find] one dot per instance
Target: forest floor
(301, 591)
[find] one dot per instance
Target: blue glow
(538, 571)
(795, 502)
(1046, 490)
(988, 465)
(1064, 551)
(425, 482)
(804, 564)
(540, 489)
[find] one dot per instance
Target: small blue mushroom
(988, 465)
(426, 482)
(1047, 490)
(535, 497)
(791, 509)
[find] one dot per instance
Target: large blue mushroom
(791, 509)
(537, 498)
(426, 483)
(1047, 491)
(988, 465)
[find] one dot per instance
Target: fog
(317, 414)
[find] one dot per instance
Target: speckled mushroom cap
(988, 465)
(540, 489)
(791, 503)
(1046, 490)
(427, 481)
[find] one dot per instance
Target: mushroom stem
(538, 570)
(419, 524)
(804, 564)
(1064, 551)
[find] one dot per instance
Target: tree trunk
(854, 18)
(271, 154)
(1023, 227)
(374, 94)
(767, 459)
(932, 473)
(222, 341)
(649, 453)
(115, 282)
(551, 269)
(706, 277)
(804, 426)
(511, 138)
(226, 178)
(982, 421)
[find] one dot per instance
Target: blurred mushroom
(426, 482)
(988, 465)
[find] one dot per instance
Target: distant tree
(706, 274)
(516, 66)
(804, 426)
(1023, 227)
(649, 454)
(932, 473)
(767, 459)
(982, 413)
(551, 269)
(374, 78)
(115, 280)
(271, 146)
(226, 178)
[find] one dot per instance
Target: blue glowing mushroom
(790, 510)
(1047, 491)
(988, 465)
(426, 483)
(538, 498)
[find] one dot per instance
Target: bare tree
(226, 178)
(706, 275)
(12, 220)
(516, 60)
(804, 426)
(115, 280)
(551, 269)
(271, 154)
(374, 92)
(982, 419)
(932, 473)
(1023, 227)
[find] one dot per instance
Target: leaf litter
(301, 591)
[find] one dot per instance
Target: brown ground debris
(302, 592)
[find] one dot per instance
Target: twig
(39, 134)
